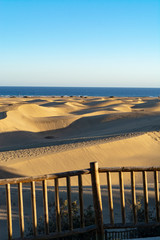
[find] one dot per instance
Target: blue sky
(94, 43)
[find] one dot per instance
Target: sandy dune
(56, 134)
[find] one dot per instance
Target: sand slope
(46, 135)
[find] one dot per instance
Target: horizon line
(75, 87)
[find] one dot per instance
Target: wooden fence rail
(94, 173)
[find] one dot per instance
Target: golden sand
(56, 134)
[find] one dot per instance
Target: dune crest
(46, 135)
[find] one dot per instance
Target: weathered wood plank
(156, 186)
(121, 183)
(21, 212)
(69, 203)
(60, 235)
(133, 197)
(44, 177)
(9, 211)
(130, 225)
(45, 205)
(74, 173)
(81, 201)
(97, 200)
(128, 169)
(145, 190)
(110, 198)
(34, 209)
(57, 206)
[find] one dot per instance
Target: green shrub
(88, 217)
(140, 210)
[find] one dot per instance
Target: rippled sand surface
(56, 134)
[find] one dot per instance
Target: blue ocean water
(79, 91)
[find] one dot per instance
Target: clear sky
(94, 43)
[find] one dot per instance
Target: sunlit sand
(56, 134)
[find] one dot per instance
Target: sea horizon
(33, 91)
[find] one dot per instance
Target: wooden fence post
(97, 201)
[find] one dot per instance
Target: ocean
(79, 91)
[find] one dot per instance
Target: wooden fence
(99, 226)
